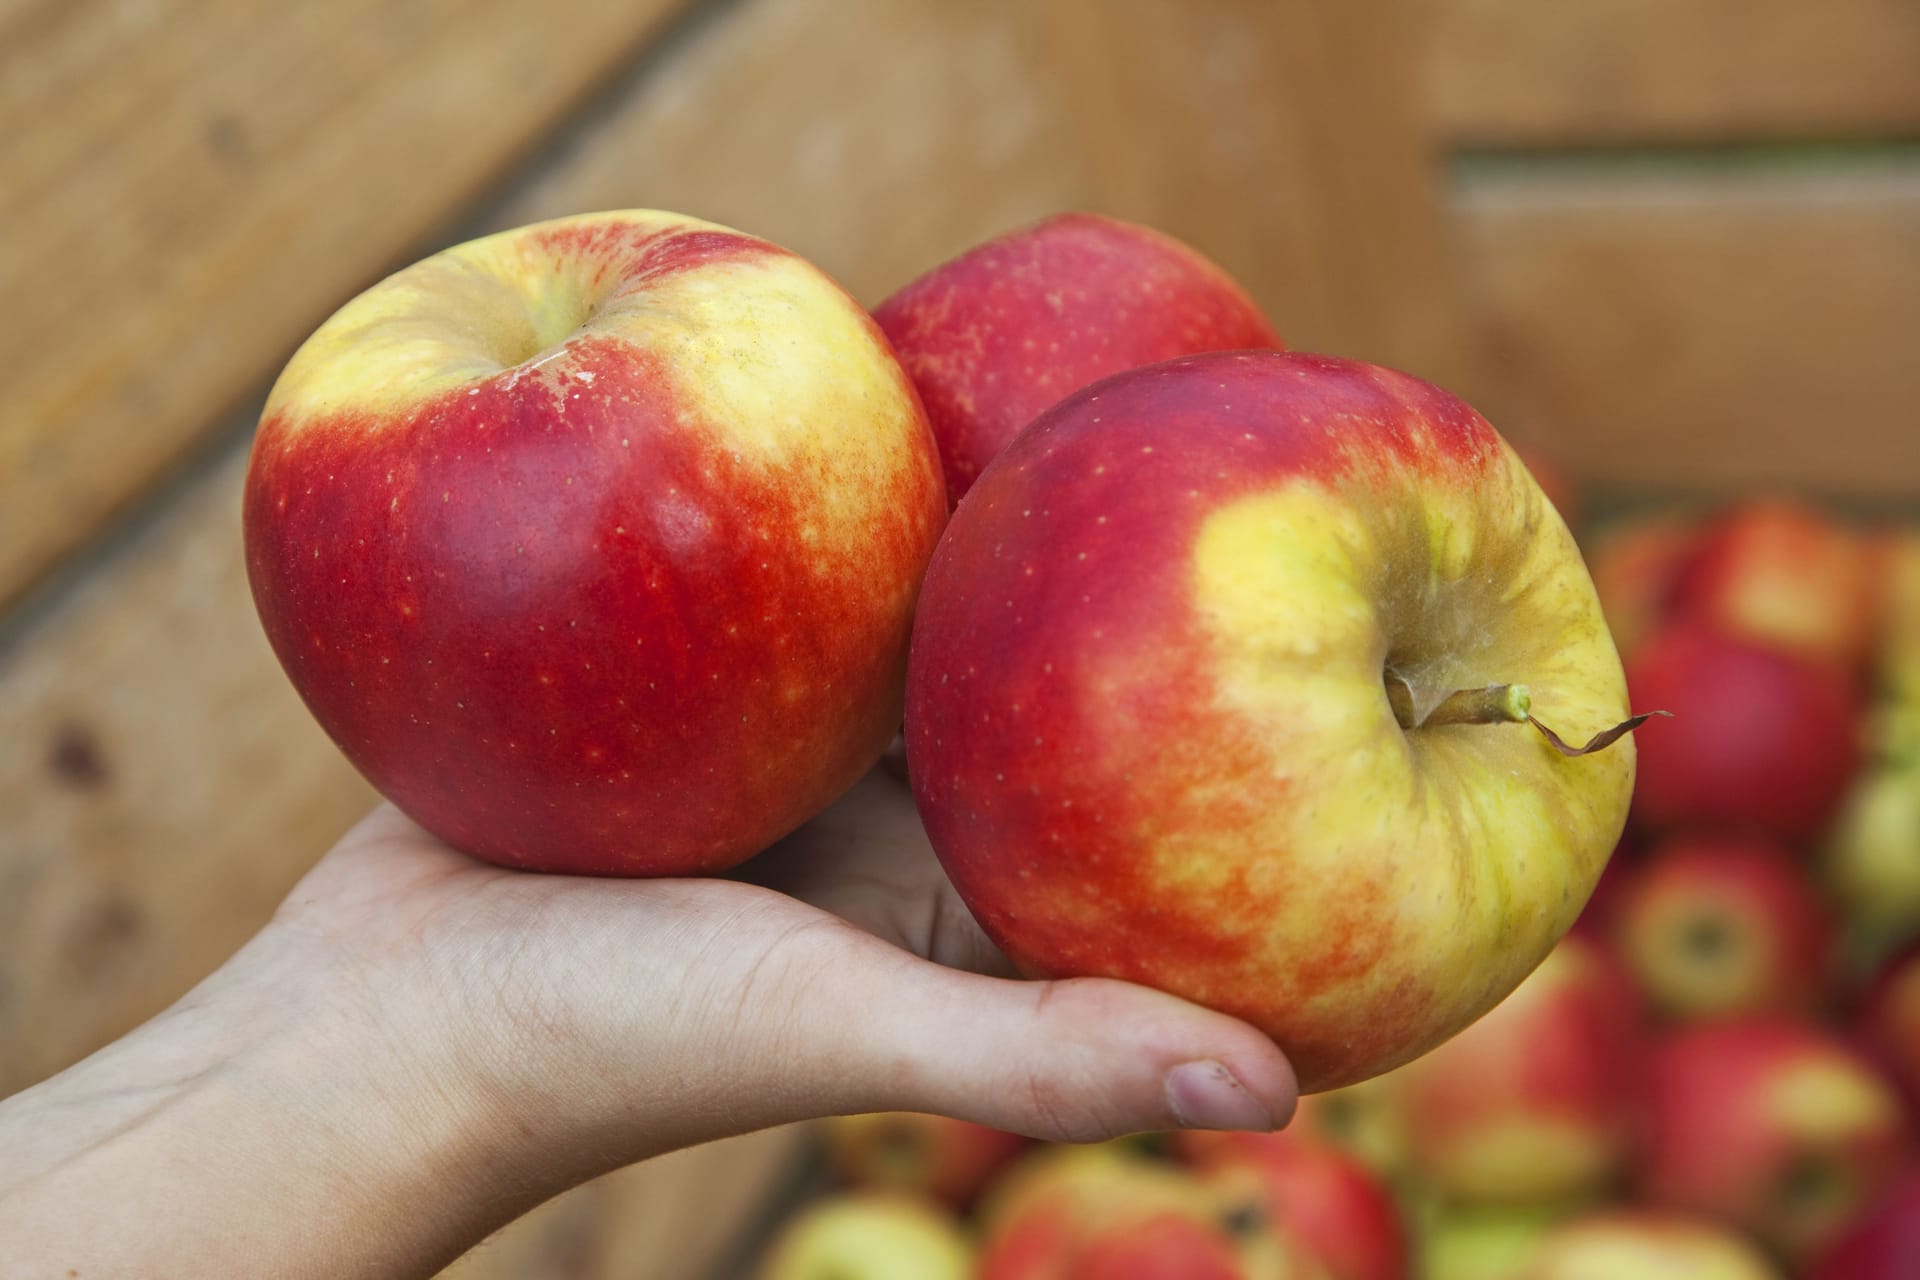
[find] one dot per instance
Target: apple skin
(1712, 926)
(1782, 574)
(1534, 1103)
(1881, 1244)
(1870, 859)
(869, 1236)
(1481, 1243)
(1771, 1124)
(1759, 740)
(1101, 1213)
(1338, 1211)
(594, 544)
(1148, 726)
(1014, 325)
(1888, 1021)
(1896, 557)
(936, 1156)
(1636, 568)
(1647, 1244)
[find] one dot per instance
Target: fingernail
(1205, 1095)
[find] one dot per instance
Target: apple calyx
(1498, 704)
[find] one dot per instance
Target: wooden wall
(1677, 242)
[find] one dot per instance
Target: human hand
(414, 1023)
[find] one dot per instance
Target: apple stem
(1493, 704)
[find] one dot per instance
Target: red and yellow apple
(1097, 1213)
(1534, 1102)
(1771, 1124)
(1760, 739)
(1782, 574)
(1647, 1244)
(1183, 703)
(936, 1156)
(594, 544)
(869, 1236)
(1870, 859)
(1339, 1211)
(1004, 331)
(1712, 926)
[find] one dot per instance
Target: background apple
(1151, 715)
(1871, 857)
(1771, 1124)
(1534, 1102)
(935, 1156)
(1636, 566)
(1889, 1020)
(1719, 925)
(1783, 574)
(868, 1236)
(1338, 1210)
(1004, 331)
(1881, 1244)
(1630, 1244)
(1759, 740)
(594, 544)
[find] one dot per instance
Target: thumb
(1077, 1060)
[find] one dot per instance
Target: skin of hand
(419, 1047)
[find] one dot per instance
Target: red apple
(1338, 1210)
(1718, 925)
(1771, 1124)
(1004, 331)
(1889, 1020)
(1534, 1102)
(1782, 574)
(936, 1156)
(1647, 1244)
(1184, 703)
(1759, 739)
(1596, 918)
(1636, 565)
(1882, 1244)
(594, 544)
(1094, 1213)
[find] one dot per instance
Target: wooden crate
(1675, 241)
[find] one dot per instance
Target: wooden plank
(1708, 331)
(199, 182)
(1506, 72)
(1207, 119)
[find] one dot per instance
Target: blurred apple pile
(1713, 1076)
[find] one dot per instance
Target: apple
(1534, 1102)
(1769, 1123)
(869, 1236)
(1871, 858)
(1647, 1244)
(1596, 918)
(1101, 1213)
(1897, 561)
(1636, 565)
(1481, 1243)
(1184, 703)
(1338, 1211)
(935, 1156)
(1724, 924)
(1364, 1118)
(1882, 1244)
(1782, 574)
(1760, 740)
(1888, 1020)
(594, 544)
(1554, 481)
(1008, 328)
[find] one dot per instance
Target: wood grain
(201, 182)
(1507, 72)
(1685, 330)
(1208, 120)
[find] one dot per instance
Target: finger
(1077, 1060)
(867, 860)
